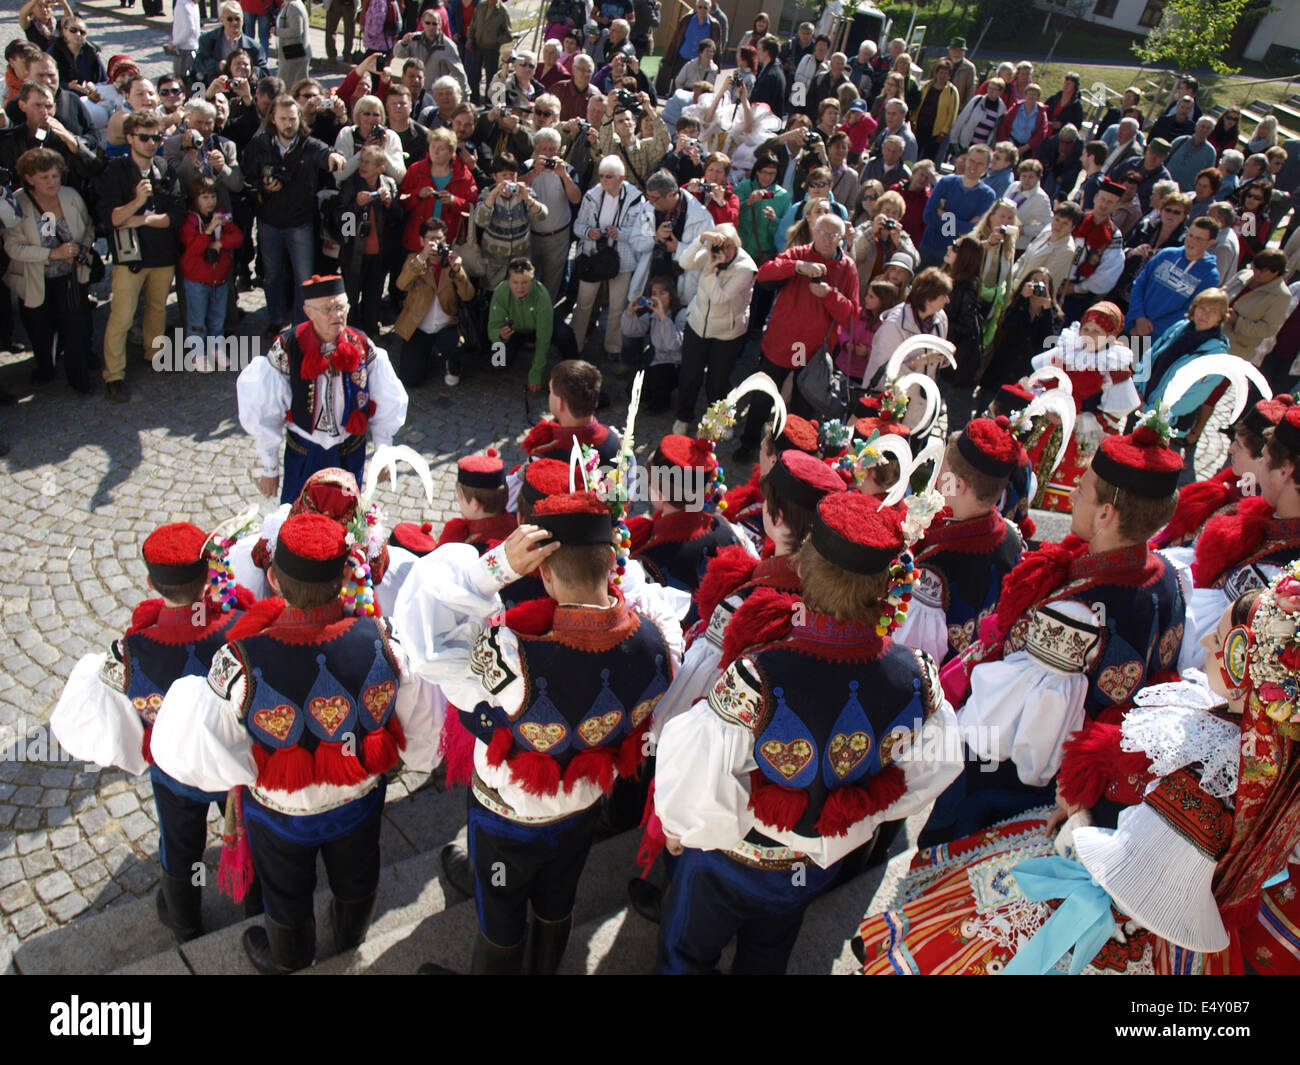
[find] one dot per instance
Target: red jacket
(194, 242)
(1040, 127)
(799, 317)
(464, 194)
(728, 212)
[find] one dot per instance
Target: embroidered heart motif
(542, 737)
(147, 706)
(960, 636)
(644, 709)
(275, 721)
(1117, 683)
(329, 711)
(897, 739)
(788, 759)
(1170, 642)
(377, 697)
(847, 751)
(595, 729)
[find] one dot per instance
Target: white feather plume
(386, 458)
(913, 345)
(633, 405)
(1052, 373)
(895, 446)
(1062, 405)
(761, 382)
(1238, 372)
(234, 528)
(929, 391)
(577, 468)
(932, 452)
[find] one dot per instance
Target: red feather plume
(534, 617)
(1093, 760)
(765, 616)
(1036, 575)
(1197, 503)
(730, 568)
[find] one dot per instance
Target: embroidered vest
(319, 711)
(144, 664)
(286, 355)
(960, 569)
(1281, 545)
(679, 550)
(592, 681)
(830, 708)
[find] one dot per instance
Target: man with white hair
(553, 182)
(818, 292)
(1123, 139)
(887, 166)
(618, 40)
(895, 125)
(1227, 249)
(576, 92)
(825, 86)
(1231, 163)
(435, 50)
(198, 151)
(219, 42)
(447, 95)
(1192, 154)
(860, 70)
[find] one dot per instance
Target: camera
(1004, 230)
(510, 188)
(1038, 288)
(707, 187)
(693, 142)
(766, 194)
(443, 250)
(718, 247)
(625, 100)
(274, 172)
(645, 302)
(813, 137)
(550, 162)
(509, 322)
(82, 259)
(193, 140)
(378, 131)
(890, 223)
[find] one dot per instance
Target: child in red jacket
(207, 239)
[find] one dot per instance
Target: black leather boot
(546, 945)
(457, 869)
(491, 960)
(179, 904)
(277, 949)
(349, 921)
(646, 898)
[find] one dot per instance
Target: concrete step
(124, 935)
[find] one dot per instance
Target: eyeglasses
(604, 176)
(234, 21)
(171, 92)
(77, 30)
(1173, 210)
(524, 63)
(543, 114)
(148, 137)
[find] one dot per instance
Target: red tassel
(261, 756)
(145, 614)
(766, 615)
(596, 765)
(1093, 761)
(379, 751)
(1197, 503)
(729, 569)
(653, 838)
(145, 748)
(539, 437)
(335, 764)
(456, 746)
(536, 617)
(639, 530)
(846, 806)
(288, 769)
(235, 871)
(356, 423)
(1228, 538)
(536, 773)
(261, 615)
(1036, 575)
(502, 740)
(775, 805)
(398, 733)
(632, 751)
(456, 531)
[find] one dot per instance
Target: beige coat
(27, 256)
(1260, 313)
(416, 280)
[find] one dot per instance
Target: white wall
(1280, 27)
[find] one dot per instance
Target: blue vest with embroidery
(339, 690)
(831, 719)
(580, 696)
(356, 390)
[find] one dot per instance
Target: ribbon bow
(1082, 922)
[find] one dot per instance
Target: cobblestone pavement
(86, 481)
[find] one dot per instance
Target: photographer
(434, 50)
(439, 186)
(582, 142)
(362, 219)
(286, 169)
(323, 115)
(717, 318)
(518, 87)
(217, 43)
(139, 201)
(40, 129)
(369, 131)
(618, 135)
(435, 283)
(878, 240)
(678, 221)
(207, 238)
(714, 190)
(249, 110)
(505, 215)
(522, 313)
(552, 182)
(662, 318)
(501, 131)
(819, 188)
(197, 151)
(48, 265)
(686, 161)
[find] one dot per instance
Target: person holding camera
(196, 151)
(362, 216)
(368, 130)
(438, 186)
(207, 236)
(662, 318)
(286, 168)
(435, 283)
(138, 200)
(618, 134)
(518, 88)
(880, 238)
(714, 191)
(553, 184)
(48, 263)
(505, 215)
(434, 49)
(502, 131)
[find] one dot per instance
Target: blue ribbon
(1082, 922)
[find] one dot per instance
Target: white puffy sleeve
(664, 605)
(1205, 606)
(444, 613)
(390, 399)
(198, 737)
(264, 396)
(247, 572)
(421, 710)
(400, 564)
(704, 759)
(1026, 706)
(926, 627)
(94, 720)
(932, 761)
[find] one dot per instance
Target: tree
(1192, 35)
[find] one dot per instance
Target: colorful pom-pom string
(221, 575)
(358, 592)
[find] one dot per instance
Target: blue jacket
(951, 197)
(1154, 389)
(1164, 289)
(207, 61)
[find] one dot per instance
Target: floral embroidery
(847, 751)
(148, 706)
(377, 698)
(788, 759)
(595, 729)
(733, 699)
(226, 669)
(488, 664)
(275, 720)
(896, 740)
(113, 672)
(644, 709)
(1170, 642)
(1117, 683)
(330, 711)
(543, 737)
(960, 636)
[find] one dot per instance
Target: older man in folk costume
(320, 389)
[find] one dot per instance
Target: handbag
(467, 246)
(823, 388)
(600, 265)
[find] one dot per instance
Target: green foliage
(1193, 34)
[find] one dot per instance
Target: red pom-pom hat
(1268, 413)
(991, 447)
(854, 532)
(482, 471)
(799, 434)
(1139, 462)
(576, 519)
(322, 286)
(864, 427)
(544, 477)
(1013, 396)
(803, 479)
(416, 538)
(311, 548)
(688, 453)
(173, 554)
(1288, 430)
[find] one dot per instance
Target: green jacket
(757, 234)
(534, 314)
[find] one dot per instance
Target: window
(1105, 8)
(1152, 14)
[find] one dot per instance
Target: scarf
(1094, 238)
(345, 357)
(1183, 342)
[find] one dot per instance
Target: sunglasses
(78, 32)
(232, 21)
(543, 114)
(819, 184)
(603, 176)
(524, 63)
(148, 137)
(171, 92)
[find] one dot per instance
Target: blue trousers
(259, 28)
(302, 458)
(712, 898)
(182, 822)
(299, 244)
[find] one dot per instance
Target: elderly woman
(921, 312)
(1064, 108)
(368, 129)
(880, 238)
(1026, 124)
(1200, 333)
(437, 186)
(612, 213)
(48, 266)
(550, 73)
(717, 318)
(1100, 370)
